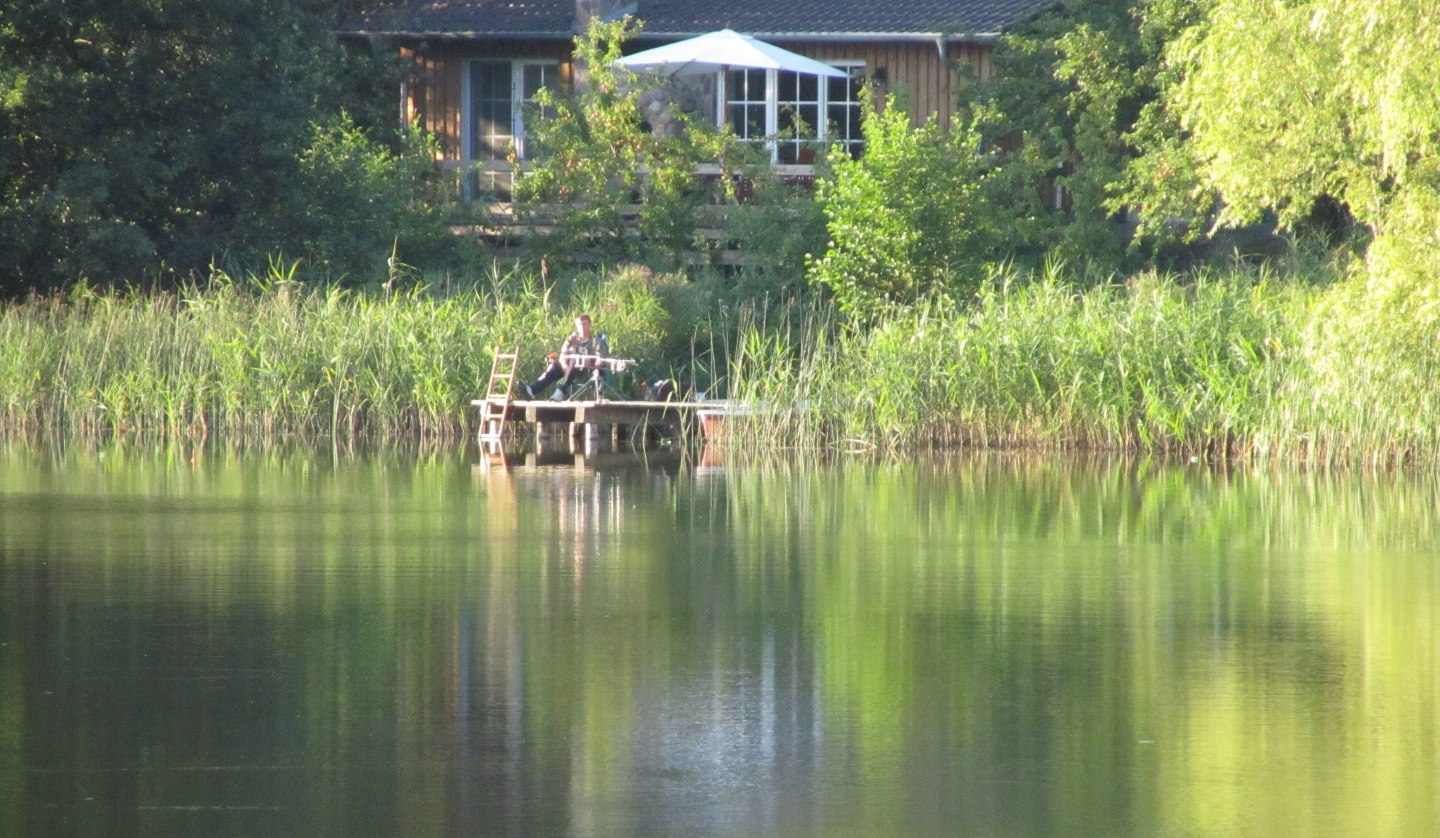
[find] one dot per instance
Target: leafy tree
(359, 200)
(1062, 97)
(1076, 98)
(1161, 183)
(1299, 103)
(596, 156)
(141, 139)
(903, 219)
(1289, 103)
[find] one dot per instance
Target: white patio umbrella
(716, 52)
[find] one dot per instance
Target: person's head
(582, 326)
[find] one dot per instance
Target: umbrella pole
(722, 105)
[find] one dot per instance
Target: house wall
(912, 68)
(433, 87)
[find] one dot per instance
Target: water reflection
(581, 456)
(562, 642)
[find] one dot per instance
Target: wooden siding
(433, 86)
(912, 68)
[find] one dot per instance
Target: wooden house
(475, 63)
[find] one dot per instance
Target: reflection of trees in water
(802, 650)
(1026, 625)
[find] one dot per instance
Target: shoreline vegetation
(1243, 363)
(1001, 278)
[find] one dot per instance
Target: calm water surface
(307, 644)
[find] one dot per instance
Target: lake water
(329, 643)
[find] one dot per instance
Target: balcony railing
(494, 181)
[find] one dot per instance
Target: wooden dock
(590, 417)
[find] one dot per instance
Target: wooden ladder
(497, 395)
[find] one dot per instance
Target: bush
(781, 224)
(903, 219)
(360, 202)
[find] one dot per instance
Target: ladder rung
(498, 395)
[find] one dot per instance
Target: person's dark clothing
(555, 372)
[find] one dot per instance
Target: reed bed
(1221, 364)
(269, 357)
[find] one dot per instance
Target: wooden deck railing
(501, 227)
(468, 175)
(498, 224)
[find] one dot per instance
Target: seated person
(578, 354)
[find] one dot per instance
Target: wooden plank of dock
(606, 412)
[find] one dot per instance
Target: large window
(746, 106)
(496, 95)
(842, 109)
(793, 113)
(797, 117)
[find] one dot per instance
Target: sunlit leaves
(1291, 101)
(902, 219)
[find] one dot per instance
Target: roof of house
(773, 19)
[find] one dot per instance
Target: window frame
(522, 102)
(822, 104)
(492, 167)
(469, 136)
(519, 101)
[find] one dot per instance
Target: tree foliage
(359, 199)
(1294, 101)
(1076, 99)
(596, 156)
(141, 139)
(1160, 184)
(903, 219)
